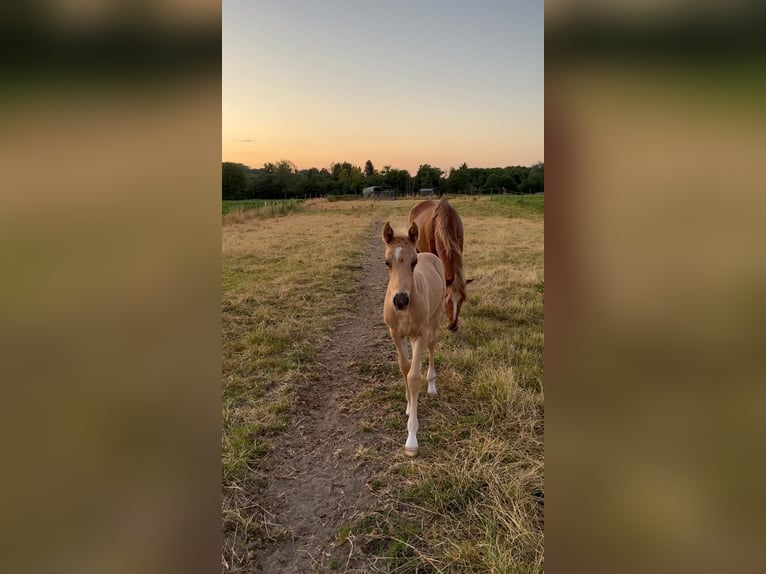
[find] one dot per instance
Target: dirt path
(315, 486)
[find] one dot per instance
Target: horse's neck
(419, 292)
(427, 239)
(449, 268)
(449, 264)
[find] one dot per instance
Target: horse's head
(401, 257)
(453, 300)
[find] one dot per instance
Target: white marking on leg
(431, 369)
(412, 441)
(454, 310)
(431, 380)
(413, 384)
(412, 429)
(407, 393)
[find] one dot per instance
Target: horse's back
(422, 215)
(450, 221)
(422, 210)
(431, 264)
(431, 270)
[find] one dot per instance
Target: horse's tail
(446, 226)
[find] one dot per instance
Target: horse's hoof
(431, 392)
(410, 451)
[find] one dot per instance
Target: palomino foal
(412, 308)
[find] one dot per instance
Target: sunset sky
(401, 83)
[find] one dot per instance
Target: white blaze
(454, 297)
(397, 252)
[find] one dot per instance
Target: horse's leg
(431, 369)
(404, 364)
(413, 384)
(405, 373)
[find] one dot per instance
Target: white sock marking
(432, 381)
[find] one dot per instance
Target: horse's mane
(445, 225)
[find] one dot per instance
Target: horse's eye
(388, 264)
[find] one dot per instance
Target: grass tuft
(241, 211)
(472, 500)
(276, 309)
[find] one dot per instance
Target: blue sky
(400, 83)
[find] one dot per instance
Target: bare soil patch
(315, 478)
(316, 482)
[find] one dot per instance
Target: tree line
(284, 180)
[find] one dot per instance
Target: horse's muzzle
(401, 300)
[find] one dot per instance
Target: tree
(233, 181)
(534, 179)
(347, 178)
(458, 180)
(493, 181)
(399, 179)
(428, 176)
(285, 173)
(533, 183)
(283, 180)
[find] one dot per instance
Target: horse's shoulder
(431, 260)
(422, 207)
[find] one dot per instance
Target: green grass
(264, 207)
(467, 502)
(275, 309)
(516, 206)
(348, 197)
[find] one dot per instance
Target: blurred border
(654, 265)
(110, 306)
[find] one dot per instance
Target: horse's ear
(388, 233)
(413, 232)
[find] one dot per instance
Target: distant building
(426, 191)
(375, 191)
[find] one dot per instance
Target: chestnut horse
(412, 308)
(441, 233)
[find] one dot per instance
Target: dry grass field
(311, 389)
